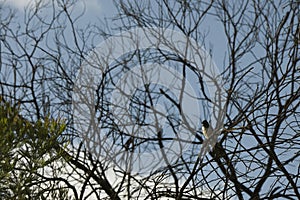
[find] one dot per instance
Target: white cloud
(19, 4)
(91, 5)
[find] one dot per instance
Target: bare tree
(134, 103)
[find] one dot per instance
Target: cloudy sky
(20, 4)
(93, 8)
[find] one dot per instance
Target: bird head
(205, 124)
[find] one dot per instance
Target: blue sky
(96, 10)
(100, 9)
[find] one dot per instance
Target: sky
(90, 4)
(96, 10)
(99, 9)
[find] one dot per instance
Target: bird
(205, 126)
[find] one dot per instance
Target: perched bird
(205, 126)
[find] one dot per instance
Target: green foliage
(28, 154)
